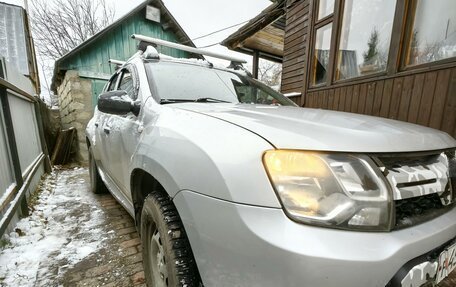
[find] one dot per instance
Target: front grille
(415, 210)
(422, 185)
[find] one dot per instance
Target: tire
(97, 185)
(167, 256)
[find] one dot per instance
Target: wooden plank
(427, 98)
(313, 100)
(404, 104)
(292, 87)
(348, 98)
(291, 81)
(362, 98)
(330, 99)
(296, 41)
(300, 47)
(378, 98)
(293, 11)
(415, 99)
(297, 19)
(342, 99)
(336, 99)
(298, 23)
(300, 59)
(297, 8)
(320, 100)
(324, 98)
(293, 55)
(369, 98)
(441, 93)
(290, 38)
(387, 91)
(395, 98)
(293, 67)
(291, 74)
(303, 28)
(308, 103)
(449, 114)
(355, 99)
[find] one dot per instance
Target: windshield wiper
(199, 100)
(206, 100)
(174, 101)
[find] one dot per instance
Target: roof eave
(266, 17)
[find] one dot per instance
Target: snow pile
(64, 227)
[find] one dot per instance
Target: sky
(197, 18)
(200, 17)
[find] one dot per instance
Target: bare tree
(270, 73)
(61, 25)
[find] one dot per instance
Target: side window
(112, 83)
(126, 84)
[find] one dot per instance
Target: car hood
(324, 130)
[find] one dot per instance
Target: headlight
(333, 190)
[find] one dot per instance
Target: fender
(183, 150)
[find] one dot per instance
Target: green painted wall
(117, 44)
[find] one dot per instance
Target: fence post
(39, 122)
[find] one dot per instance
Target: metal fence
(23, 154)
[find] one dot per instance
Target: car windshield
(177, 82)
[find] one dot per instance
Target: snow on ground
(64, 227)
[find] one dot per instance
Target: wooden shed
(80, 75)
(391, 58)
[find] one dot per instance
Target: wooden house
(388, 58)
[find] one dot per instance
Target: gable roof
(167, 19)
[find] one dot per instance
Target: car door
(122, 132)
(101, 152)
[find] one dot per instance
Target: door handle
(107, 130)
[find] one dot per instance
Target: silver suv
(232, 184)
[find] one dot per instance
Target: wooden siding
(296, 35)
(117, 44)
(426, 98)
(424, 95)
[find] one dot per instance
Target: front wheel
(167, 256)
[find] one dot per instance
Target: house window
(321, 54)
(365, 37)
(433, 34)
(325, 8)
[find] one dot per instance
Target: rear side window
(126, 84)
(112, 83)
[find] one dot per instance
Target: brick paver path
(119, 263)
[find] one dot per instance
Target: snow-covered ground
(65, 226)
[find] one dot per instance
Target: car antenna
(155, 41)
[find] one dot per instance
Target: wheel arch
(142, 183)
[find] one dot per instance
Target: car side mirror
(117, 103)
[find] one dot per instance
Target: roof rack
(187, 48)
(116, 62)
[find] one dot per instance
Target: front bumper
(242, 245)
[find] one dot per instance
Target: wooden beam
(256, 63)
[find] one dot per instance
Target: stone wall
(75, 101)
